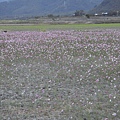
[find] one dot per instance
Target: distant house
(96, 14)
(104, 13)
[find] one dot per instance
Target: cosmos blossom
(66, 68)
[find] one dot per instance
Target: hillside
(45, 7)
(107, 6)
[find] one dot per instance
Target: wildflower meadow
(60, 75)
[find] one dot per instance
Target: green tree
(79, 13)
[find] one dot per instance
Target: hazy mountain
(44, 7)
(107, 6)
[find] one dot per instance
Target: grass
(60, 75)
(44, 27)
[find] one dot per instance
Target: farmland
(60, 72)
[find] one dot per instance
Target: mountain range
(19, 8)
(107, 6)
(24, 8)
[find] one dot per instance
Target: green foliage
(50, 15)
(79, 13)
(44, 27)
(114, 13)
(87, 15)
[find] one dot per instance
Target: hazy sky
(4, 0)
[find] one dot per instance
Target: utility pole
(117, 13)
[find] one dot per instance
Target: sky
(3, 0)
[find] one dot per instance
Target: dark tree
(88, 16)
(79, 13)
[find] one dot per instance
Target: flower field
(60, 75)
